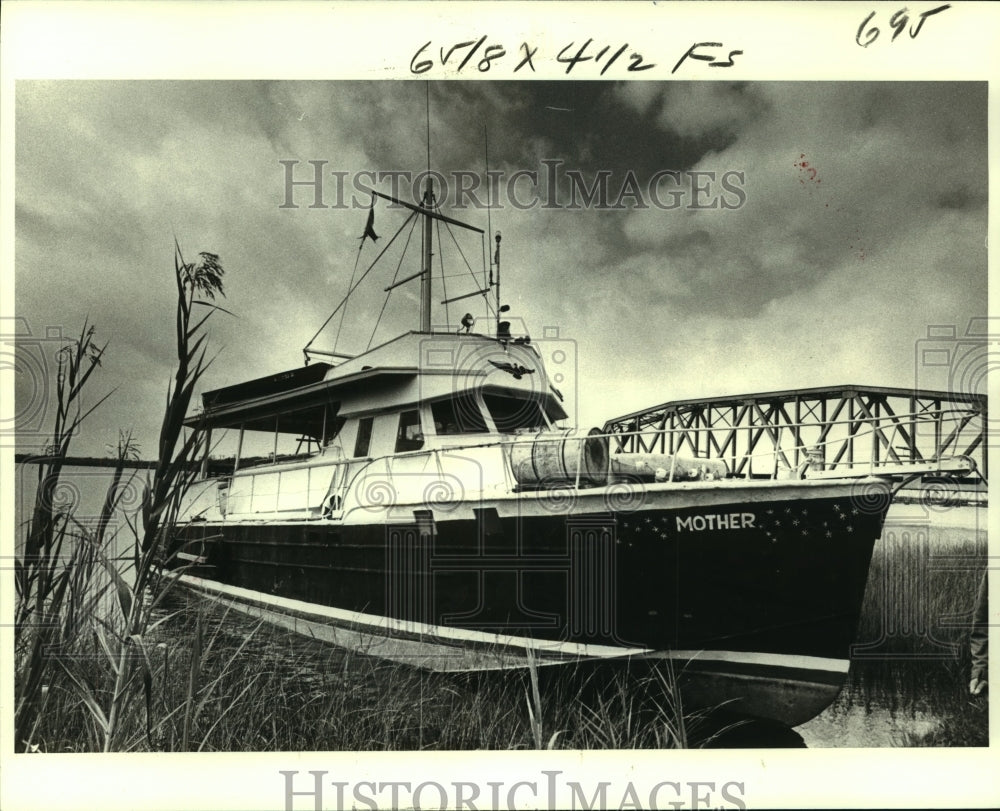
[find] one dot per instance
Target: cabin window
(512, 413)
(364, 439)
(409, 437)
(457, 416)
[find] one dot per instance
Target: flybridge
(414, 391)
(444, 362)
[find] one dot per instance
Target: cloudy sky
(854, 219)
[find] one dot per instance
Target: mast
(425, 278)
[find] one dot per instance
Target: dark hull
(760, 605)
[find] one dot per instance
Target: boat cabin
(417, 392)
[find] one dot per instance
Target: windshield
(514, 413)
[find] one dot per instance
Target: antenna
(489, 227)
(496, 261)
(428, 203)
(427, 89)
(489, 191)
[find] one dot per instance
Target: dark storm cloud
(833, 174)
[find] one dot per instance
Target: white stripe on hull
(379, 636)
(374, 625)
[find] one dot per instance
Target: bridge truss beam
(831, 428)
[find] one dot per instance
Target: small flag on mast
(370, 226)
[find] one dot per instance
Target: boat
(439, 511)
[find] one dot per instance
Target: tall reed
(70, 640)
(52, 572)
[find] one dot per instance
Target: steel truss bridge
(830, 428)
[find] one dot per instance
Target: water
(81, 491)
(860, 727)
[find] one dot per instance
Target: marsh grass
(82, 615)
(914, 657)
